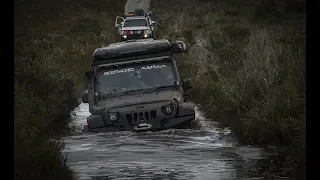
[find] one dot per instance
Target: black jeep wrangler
(135, 86)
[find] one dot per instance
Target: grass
(53, 44)
(247, 60)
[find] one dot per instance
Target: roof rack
(131, 48)
(135, 49)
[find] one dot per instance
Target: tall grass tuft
(53, 45)
(247, 62)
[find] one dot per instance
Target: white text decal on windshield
(132, 69)
(153, 67)
(118, 71)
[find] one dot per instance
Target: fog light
(146, 35)
(168, 109)
(125, 36)
(113, 116)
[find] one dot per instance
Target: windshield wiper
(117, 94)
(161, 87)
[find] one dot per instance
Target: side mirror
(153, 22)
(117, 25)
(179, 47)
(85, 97)
(185, 96)
(182, 45)
(187, 84)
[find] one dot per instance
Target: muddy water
(204, 153)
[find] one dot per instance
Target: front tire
(185, 125)
(153, 35)
(85, 129)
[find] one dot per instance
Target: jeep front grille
(138, 32)
(141, 117)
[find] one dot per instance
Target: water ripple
(206, 153)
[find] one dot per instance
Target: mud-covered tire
(85, 129)
(153, 35)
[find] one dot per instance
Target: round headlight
(113, 116)
(147, 31)
(168, 109)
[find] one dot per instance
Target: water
(204, 153)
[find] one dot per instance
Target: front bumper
(96, 124)
(130, 37)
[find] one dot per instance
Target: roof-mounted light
(130, 14)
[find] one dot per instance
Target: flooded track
(205, 153)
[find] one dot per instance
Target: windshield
(135, 22)
(135, 77)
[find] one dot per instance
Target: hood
(134, 28)
(135, 99)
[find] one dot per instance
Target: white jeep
(135, 25)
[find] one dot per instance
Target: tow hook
(143, 126)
